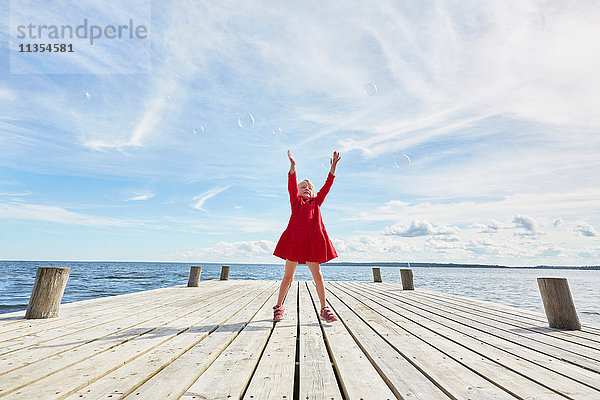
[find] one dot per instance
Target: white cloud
(493, 227)
(371, 247)
(448, 238)
(238, 251)
(208, 195)
(418, 228)
(585, 229)
(556, 222)
(141, 197)
(6, 94)
(525, 222)
(480, 247)
(537, 205)
(18, 194)
(40, 212)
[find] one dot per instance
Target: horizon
(330, 263)
(468, 132)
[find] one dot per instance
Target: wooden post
(50, 283)
(558, 303)
(376, 274)
(407, 279)
(225, 272)
(194, 276)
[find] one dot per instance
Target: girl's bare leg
(315, 269)
(288, 278)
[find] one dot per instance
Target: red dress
(305, 238)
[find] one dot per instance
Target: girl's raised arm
(292, 184)
(334, 160)
(292, 163)
(325, 189)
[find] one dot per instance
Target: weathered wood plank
(228, 376)
(401, 375)
(170, 369)
(88, 310)
(82, 343)
(317, 378)
(117, 317)
(422, 347)
(537, 318)
(536, 321)
(17, 319)
(539, 341)
(358, 377)
(206, 343)
(554, 374)
(95, 360)
(274, 375)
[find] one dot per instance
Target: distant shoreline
(341, 264)
(453, 265)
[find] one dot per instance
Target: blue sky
(495, 103)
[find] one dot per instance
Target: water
(516, 287)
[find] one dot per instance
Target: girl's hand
(292, 163)
(334, 160)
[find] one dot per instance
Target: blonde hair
(310, 185)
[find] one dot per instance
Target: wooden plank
(588, 330)
(168, 370)
(117, 316)
(384, 335)
(66, 370)
(76, 310)
(228, 376)
(551, 346)
(508, 314)
(553, 360)
(509, 310)
(81, 341)
(317, 378)
(569, 340)
(274, 375)
(427, 352)
(399, 372)
(89, 310)
(20, 326)
(490, 347)
(8, 319)
(358, 377)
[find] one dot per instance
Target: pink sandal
(328, 315)
(278, 313)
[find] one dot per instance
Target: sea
(512, 286)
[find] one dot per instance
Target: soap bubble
(402, 161)
(276, 131)
(326, 161)
(370, 89)
(88, 95)
(198, 131)
(167, 99)
(246, 121)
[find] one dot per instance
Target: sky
(173, 146)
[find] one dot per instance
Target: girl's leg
(288, 278)
(315, 269)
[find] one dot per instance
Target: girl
(305, 240)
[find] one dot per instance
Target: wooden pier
(218, 341)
